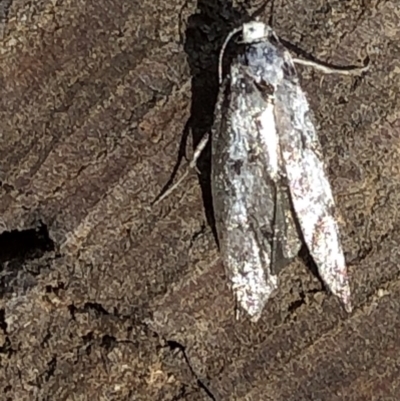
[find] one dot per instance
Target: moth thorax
(255, 31)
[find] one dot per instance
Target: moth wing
(243, 192)
(310, 191)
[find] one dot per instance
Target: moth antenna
(170, 190)
(222, 51)
(192, 165)
(332, 70)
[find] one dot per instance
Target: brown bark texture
(106, 297)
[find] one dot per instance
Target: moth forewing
(243, 201)
(309, 187)
(313, 203)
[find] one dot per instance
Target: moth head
(255, 31)
(252, 32)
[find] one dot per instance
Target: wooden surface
(104, 297)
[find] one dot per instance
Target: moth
(269, 186)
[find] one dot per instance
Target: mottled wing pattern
(310, 191)
(285, 241)
(268, 171)
(243, 194)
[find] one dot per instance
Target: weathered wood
(112, 298)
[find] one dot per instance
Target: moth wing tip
(348, 306)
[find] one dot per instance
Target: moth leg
(332, 70)
(192, 165)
